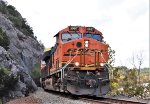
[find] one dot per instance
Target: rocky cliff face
(22, 54)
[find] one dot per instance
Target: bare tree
(111, 61)
(133, 61)
(140, 60)
(137, 62)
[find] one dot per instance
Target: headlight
(102, 64)
(76, 63)
(86, 43)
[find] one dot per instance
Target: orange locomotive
(77, 62)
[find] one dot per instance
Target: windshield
(97, 37)
(70, 36)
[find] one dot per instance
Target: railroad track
(108, 101)
(95, 100)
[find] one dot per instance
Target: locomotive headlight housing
(86, 43)
(76, 64)
(102, 64)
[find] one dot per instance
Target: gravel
(42, 97)
(48, 98)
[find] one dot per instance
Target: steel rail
(109, 101)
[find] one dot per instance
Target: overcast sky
(124, 23)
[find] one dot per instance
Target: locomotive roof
(84, 27)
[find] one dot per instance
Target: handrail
(62, 69)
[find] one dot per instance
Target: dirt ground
(26, 100)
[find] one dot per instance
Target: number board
(73, 28)
(90, 29)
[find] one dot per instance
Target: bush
(12, 11)
(17, 21)
(4, 41)
(7, 81)
(125, 82)
(26, 27)
(36, 74)
(4, 73)
(3, 7)
(1, 101)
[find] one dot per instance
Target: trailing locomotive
(77, 63)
